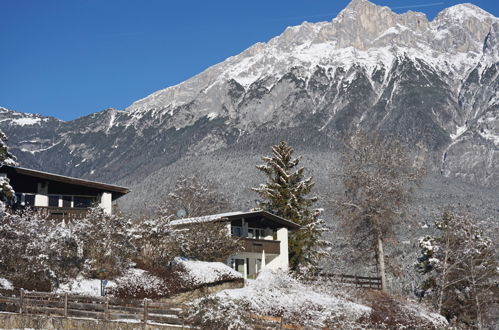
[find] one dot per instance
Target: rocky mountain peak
(491, 44)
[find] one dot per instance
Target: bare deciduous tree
(377, 177)
(195, 195)
(159, 241)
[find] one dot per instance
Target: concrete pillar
(282, 236)
(42, 198)
(244, 228)
(106, 202)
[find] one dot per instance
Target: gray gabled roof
(236, 215)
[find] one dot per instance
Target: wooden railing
(62, 213)
(103, 308)
(357, 281)
(259, 245)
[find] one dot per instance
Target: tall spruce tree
(286, 193)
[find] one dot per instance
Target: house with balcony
(58, 196)
(264, 238)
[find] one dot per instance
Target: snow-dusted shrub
(104, 242)
(159, 242)
(460, 270)
(139, 284)
(37, 253)
(23, 251)
(163, 281)
(275, 294)
(392, 312)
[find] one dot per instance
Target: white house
(59, 196)
(264, 237)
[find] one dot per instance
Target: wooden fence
(102, 308)
(357, 281)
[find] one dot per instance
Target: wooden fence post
(21, 301)
(106, 309)
(146, 309)
(66, 304)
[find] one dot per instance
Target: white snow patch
(83, 286)
(489, 135)
(6, 284)
(459, 131)
(26, 121)
(212, 115)
(111, 122)
(206, 218)
(202, 272)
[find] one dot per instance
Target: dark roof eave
(287, 223)
(71, 180)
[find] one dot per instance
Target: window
(239, 264)
(83, 201)
(236, 231)
(54, 201)
(25, 199)
(19, 199)
(66, 201)
(29, 200)
(256, 233)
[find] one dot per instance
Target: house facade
(264, 238)
(58, 196)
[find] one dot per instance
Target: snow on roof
(237, 215)
(205, 218)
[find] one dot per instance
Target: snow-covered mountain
(432, 84)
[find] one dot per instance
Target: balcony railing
(62, 213)
(260, 245)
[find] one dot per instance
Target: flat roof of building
(68, 179)
(236, 215)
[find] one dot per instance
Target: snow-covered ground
(277, 293)
(312, 305)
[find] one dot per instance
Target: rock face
(431, 84)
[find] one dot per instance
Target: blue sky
(69, 58)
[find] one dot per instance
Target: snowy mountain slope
(432, 84)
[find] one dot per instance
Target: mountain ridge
(431, 84)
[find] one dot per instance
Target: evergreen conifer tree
(286, 194)
(6, 158)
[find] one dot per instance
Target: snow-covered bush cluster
(39, 254)
(139, 284)
(181, 275)
(160, 240)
